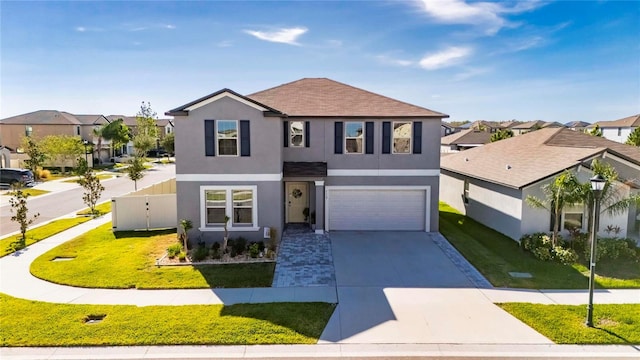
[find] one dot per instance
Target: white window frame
(206, 207)
(346, 123)
(465, 191)
(219, 138)
(393, 137)
(229, 208)
(291, 134)
(577, 209)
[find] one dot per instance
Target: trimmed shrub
(539, 244)
(613, 248)
(565, 256)
(239, 245)
(174, 250)
(182, 256)
(200, 253)
(254, 250)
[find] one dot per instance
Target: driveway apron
(401, 287)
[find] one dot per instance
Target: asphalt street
(60, 203)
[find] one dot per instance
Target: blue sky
(526, 60)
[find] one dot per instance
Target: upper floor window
(227, 137)
(402, 137)
(78, 130)
(28, 130)
(353, 137)
(296, 133)
(619, 131)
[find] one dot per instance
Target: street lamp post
(86, 158)
(597, 185)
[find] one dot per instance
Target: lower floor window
(572, 221)
(238, 203)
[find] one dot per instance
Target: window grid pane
(227, 133)
(296, 131)
(402, 137)
(354, 134)
(216, 204)
(242, 207)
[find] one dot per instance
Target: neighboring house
(446, 129)
(357, 160)
(530, 126)
(165, 126)
(463, 140)
(577, 125)
(50, 122)
(490, 183)
(5, 157)
(618, 130)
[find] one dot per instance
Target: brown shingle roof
(43, 117)
(468, 136)
(631, 121)
(326, 98)
(522, 160)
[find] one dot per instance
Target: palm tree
(564, 190)
(612, 199)
(97, 132)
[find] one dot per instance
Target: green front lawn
(33, 323)
(124, 260)
(99, 176)
(40, 233)
(564, 324)
(495, 255)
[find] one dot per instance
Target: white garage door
(377, 209)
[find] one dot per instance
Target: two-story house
(357, 160)
(618, 130)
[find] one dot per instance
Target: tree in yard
(18, 202)
(146, 130)
(117, 132)
(168, 143)
(501, 135)
(186, 225)
(596, 131)
(135, 170)
(35, 151)
(92, 187)
(612, 199)
(62, 149)
(564, 190)
(634, 137)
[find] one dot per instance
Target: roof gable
(630, 121)
(469, 136)
(43, 117)
(322, 97)
(205, 100)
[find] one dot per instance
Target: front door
(297, 201)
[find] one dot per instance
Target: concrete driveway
(401, 287)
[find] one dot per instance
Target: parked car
(124, 158)
(11, 177)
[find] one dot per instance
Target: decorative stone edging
(463, 264)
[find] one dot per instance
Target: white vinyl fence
(153, 207)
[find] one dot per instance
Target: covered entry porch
(304, 193)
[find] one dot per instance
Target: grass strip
(102, 208)
(565, 324)
(99, 176)
(34, 323)
(30, 192)
(40, 233)
(495, 255)
(121, 260)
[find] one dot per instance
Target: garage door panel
(376, 209)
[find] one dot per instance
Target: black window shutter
(417, 137)
(338, 137)
(209, 138)
(368, 131)
(307, 131)
(386, 137)
(245, 138)
(285, 133)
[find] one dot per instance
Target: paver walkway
(304, 259)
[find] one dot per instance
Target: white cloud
(284, 35)
(225, 43)
(445, 58)
(485, 14)
(393, 61)
(81, 29)
(170, 26)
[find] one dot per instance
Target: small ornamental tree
(135, 170)
(146, 130)
(92, 188)
(501, 135)
(168, 143)
(20, 212)
(34, 150)
(186, 225)
(596, 131)
(634, 137)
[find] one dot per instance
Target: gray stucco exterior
(262, 170)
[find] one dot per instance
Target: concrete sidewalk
(328, 351)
